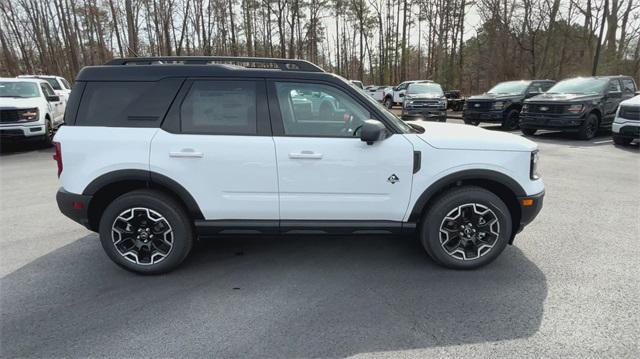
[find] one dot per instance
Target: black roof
(156, 68)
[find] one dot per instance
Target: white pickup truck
(395, 95)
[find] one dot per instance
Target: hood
(563, 97)
(423, 96)
(452, 136)
(494, 97)
(634, 101)
(18, 103)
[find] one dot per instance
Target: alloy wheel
(142, 236)
(469, 231)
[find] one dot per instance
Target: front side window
(53, 82)
(47, 90)
(318, 110)
(18, 89)
(614, 86)
(220, 107)
(65, 83)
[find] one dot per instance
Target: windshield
(580, 85)
(19, 89)
(425, 88)
(510, 87)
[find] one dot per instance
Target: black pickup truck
(502, 103)
(581, 105)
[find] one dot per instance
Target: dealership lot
(570, 278)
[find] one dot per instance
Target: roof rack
(282, 64)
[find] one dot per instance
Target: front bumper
(551, 122)
(530, 206)
(74, 206)
(626, 128)
(22, 131)
(483, 116)
(439, 114)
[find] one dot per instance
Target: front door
(325, 172)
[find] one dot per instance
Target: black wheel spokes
(142, 236)
(469, 231)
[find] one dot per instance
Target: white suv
(626, 125)
(29, 109)
(60, 86)
(153, 157)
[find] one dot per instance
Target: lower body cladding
(491, 116)
(21, 132)
(427, 114)
(76, 207)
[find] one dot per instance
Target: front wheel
(466, 228)
(388, 102)
(511, 121)
(589, 127)
(145, 231)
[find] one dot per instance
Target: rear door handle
(305, 155)
(186, 153)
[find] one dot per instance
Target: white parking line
(605, 141)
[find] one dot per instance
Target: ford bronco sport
(159, 152)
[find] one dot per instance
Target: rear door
(325, 171)
(216, 142)
(612, 99)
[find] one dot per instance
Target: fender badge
(393, 179)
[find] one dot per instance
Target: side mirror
(53, 98)
(372, 131)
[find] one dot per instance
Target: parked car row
(32, 107)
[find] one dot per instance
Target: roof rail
(283, 64)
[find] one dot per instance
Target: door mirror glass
(372, 131)
(53, 98)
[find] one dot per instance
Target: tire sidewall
(512, 116)
(584, 133)
(430, 228)
(165, 206)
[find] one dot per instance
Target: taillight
(57, 156)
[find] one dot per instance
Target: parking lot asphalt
(568, 287)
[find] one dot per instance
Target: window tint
(628, 85)
(220, 107)
(614, 86)
(53, 82)
(65, 83)
(126, 103)
(318, 110)
(47, 90)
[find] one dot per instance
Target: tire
(47, 138)
(622, 141)
(589, 128)
(475, 249)
(528, 131)
(511, 121)
(138, 208)
(388, 103)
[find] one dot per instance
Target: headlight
(28, 115)
(534, 166)
(443, 102)
(408, 103)
(525, 108)
(576, 108)
(499, 105)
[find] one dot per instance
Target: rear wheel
(47, 138)
(510, 122)
(528, 131)
(466, 228)
(589, 127)
(145, 231)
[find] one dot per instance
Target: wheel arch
(498, 183)
(104, 189)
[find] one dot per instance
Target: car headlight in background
(443, 102)
(534, 165)
(576, 108)
(408, 103)
(498, 105)
(525, 108)
(28, 115)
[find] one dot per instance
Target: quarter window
(220, 107)
(318, 110)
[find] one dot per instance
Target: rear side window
(220, 107)
(53, 82)
(126, 104)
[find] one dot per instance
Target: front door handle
(186, 153)
(305, 155)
